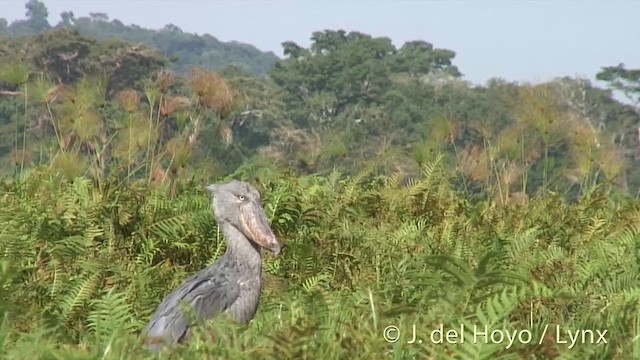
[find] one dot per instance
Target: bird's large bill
(257, 228)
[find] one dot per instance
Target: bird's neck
(241, 249)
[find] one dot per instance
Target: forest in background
(386, 174)
(185, 49)
(348, 102)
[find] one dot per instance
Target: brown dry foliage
(212, 90)
(128, 100)
(518, 198)
(474, 162)
(165, 79)
(510, 173)
(226, 134)
(170, 105)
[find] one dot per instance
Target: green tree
(341, 69)
(419, 58)
(36, 21)
(188, 50)
(62, 54)
(623, 79)
(67, 18)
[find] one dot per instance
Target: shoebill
(230, 286)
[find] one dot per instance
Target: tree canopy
(186, 49)
(349, 101)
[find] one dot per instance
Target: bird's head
(238, 204)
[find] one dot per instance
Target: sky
(526, 41)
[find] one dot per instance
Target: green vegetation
(404, 196)
(185, 49)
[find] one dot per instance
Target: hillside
(186, 49)
(388, 110)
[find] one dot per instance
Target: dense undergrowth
(83, 268)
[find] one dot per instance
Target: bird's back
(210, 291)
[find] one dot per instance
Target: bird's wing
(209, 292)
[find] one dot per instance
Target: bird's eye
(241, 197)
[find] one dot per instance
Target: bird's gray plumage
(232, 285)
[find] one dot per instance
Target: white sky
(516, 40)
